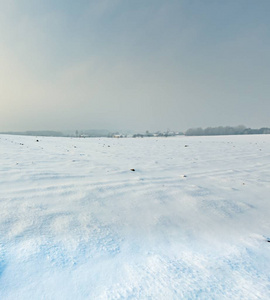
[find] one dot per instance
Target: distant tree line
(228, 130)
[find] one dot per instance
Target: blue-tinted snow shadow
(2, 267)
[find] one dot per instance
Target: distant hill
(35, 133)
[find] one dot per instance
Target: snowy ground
(191, 222)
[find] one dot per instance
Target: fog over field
(134, 65)
(191, 221)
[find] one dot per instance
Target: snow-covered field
(191, 222)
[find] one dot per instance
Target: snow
(191, 222)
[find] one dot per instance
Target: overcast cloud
(136, 64)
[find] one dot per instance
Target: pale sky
(134, 64)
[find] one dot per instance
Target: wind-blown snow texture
(191, 222)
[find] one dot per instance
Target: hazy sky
(134, 64)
